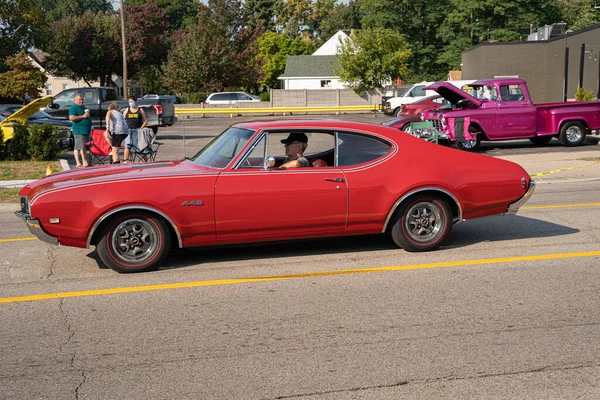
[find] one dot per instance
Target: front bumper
(514, 207)
(35, 228)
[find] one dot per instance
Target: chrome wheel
(134, 240)
(574, 134)
(423, 222)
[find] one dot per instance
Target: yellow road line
(562, 169)
(235, 281)
(17, 239)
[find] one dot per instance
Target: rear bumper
(167, 121)
(514, 207)
(35, 228)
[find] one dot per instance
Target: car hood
(23, 114)
(107, 173)
(452, 93)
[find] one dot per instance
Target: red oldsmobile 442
(362, 179)
(501, 109)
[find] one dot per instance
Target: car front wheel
(134, 242)
(421, 224)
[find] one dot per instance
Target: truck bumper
(168, 121)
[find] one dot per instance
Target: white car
(393, 105)
(230, 98)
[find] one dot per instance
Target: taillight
(157, 108)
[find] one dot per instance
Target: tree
(21, 24)
(180, 14)
(578, 14)
(87, 47)
(23, 80)
(260, 13)
(373, 58)
(215, 53)
(58, 9)
(342, 17)
(273, 49)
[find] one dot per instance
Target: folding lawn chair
(99, 148)
(143, 145)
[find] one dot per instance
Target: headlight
(422, 117)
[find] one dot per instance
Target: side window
(256, 157)
(319, 150)
(242, 96)
(512, 93)
(231, 96)
(88, 96)
(65, 99)
(111, 95)
(354, 149)
(418, 91)
(440, 100)
(220, 96)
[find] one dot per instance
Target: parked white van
(393, 105)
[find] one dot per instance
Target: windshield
(224, 148)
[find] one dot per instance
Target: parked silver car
(230, 98)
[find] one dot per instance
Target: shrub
(194, 98)
(265, 96)
(16, 148)
(584, 95)
(42, 142)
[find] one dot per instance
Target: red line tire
(421, 224)
(134, 242)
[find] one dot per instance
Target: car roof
(319, 124)
(226, 92)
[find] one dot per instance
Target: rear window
(354, 149)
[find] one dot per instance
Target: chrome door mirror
(270, 162)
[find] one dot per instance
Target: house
(316, 71)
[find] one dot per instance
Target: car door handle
(334, 179)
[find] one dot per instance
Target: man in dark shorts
(81, 123)
(295, 145)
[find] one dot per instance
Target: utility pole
(124, 51)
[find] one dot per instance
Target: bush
(42, 142)
(194, 98)
(16, 148)
(584, 95)
(265, 96)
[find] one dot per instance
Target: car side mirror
(269, 162)
(53, 106)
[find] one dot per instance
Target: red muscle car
(363, 179)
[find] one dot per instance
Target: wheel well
(477, 128)
(452, 203)
(582, 122)
(107, 219)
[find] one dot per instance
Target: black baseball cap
(295, 137)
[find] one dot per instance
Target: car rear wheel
(134, 242)
(572, 134)
(540, 140)
(421, 224)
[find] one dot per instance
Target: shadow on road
(489, 229)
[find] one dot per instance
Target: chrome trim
(335, 148)
(514, 207)
(36, 229)
(112, 212)
(456, 221)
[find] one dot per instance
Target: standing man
(82, 127)
(135, 117)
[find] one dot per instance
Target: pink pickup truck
(501, 109)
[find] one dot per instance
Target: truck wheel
(469, 145)
(398, 111)
(540, 140)
(421, 224)
(134, 242)
(572, 134)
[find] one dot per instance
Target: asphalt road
(506, 309)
